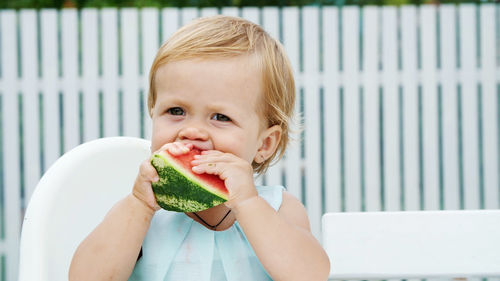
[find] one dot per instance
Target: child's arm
(111, 249)
(281, 240)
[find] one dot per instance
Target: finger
(213, 168)
(148, 172)
(176, 148)
(164, 147)
(207, 167)
(211, 152)
(185, 147)
(215, 157)
(147, 197)
(154, 204)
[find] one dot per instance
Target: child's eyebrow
(225, 109)
(218, 107)
(173, 101)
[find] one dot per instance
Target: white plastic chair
(71, 198)
(413, 244)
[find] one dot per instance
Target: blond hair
(224, 36)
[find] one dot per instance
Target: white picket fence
(400, 104)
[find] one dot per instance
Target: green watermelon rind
(178, 191)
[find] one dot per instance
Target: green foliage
(39, 4)
(36, 4)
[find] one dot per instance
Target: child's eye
(175, 111)
(221, 117)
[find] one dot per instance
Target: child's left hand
(236, 173)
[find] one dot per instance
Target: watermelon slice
(180, 189)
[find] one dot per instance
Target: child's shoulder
(294, 211)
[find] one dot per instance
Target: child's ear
(269, 140)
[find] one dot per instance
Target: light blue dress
(177, 248)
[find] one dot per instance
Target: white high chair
(71, 198)
(413, 244)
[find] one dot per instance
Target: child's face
(211, 103)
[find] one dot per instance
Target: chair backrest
(71, 198)
(413, 244)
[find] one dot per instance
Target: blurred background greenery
(39, 4)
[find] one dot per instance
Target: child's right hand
(147, 175)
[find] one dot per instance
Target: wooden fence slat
(351, 109)
(130, 71)
(11, 143)
(109, 39)
(371, 110)
(50, 62)
(30, 102)
(390, 103)
(150, 45)
(206, 12)
(188, 15)
(90, 73)
(410, 107)
(489, 108)
(430, 136)
(170, 22)
(291, 43)
(251, 14)
(331, 110)
(469, 94)
(230, 11)
(449, 107)
(270, 21)
(271, 25)
(312, 122)
(70, 84)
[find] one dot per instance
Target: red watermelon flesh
(180, 189)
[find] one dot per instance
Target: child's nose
(193, 133)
